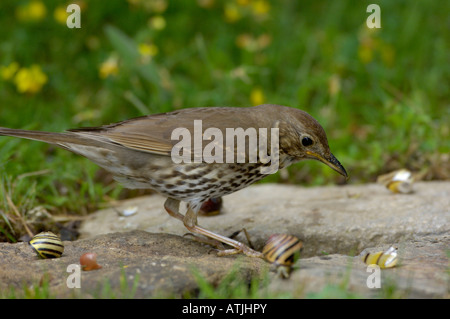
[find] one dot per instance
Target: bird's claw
(222, 251)
(243, 250)
(207, 241)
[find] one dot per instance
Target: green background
(381, 94)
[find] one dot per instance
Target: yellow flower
(147, 50)
(33, 11)
(257, 96)
(246, 41)
(157, 23)
(260, 7)
(60, 14)
(7, 72)
(30, 80)
(109, 67)
(232, 13)
(372, 47)
(252, 44)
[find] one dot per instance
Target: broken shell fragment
(129, 211)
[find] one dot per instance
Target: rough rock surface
(334, 224)
(343, 219)
(164, 263)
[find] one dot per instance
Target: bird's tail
(93, 146)
(47, 137)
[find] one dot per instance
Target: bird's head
(302, 137)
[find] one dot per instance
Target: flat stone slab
(165, 265)
(422, 272)
(335, 223)
(335, 219)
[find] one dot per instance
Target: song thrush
(138, 153)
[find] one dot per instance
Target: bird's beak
(331, 161)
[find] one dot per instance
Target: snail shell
(129, 211)
(400, 181)
(211, 207)
(47, 245)
(88, 261)
(404, 187)
(384, 259)
(282, 250)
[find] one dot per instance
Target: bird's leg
(207, 241)
(233, 235)
(190, 222)
(172, 206)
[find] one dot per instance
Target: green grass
(38, 290)
(126, 289)
(380, 95)
(42, 290)
(233, 286)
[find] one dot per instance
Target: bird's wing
(153, 133)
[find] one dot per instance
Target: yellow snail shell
(282, 250)
(47, 245)
(400, 181)
(384, 259)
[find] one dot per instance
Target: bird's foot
(222, 251)
(247, 236)
(190, 222)
(207, 241)
(247, 251)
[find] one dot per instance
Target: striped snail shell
(47, 245)
(282, 250)
(399, 181)
(384, 259)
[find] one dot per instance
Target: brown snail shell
(88, 261)
(211, 207)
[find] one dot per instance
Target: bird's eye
(307, 141)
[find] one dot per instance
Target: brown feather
(152, 133)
